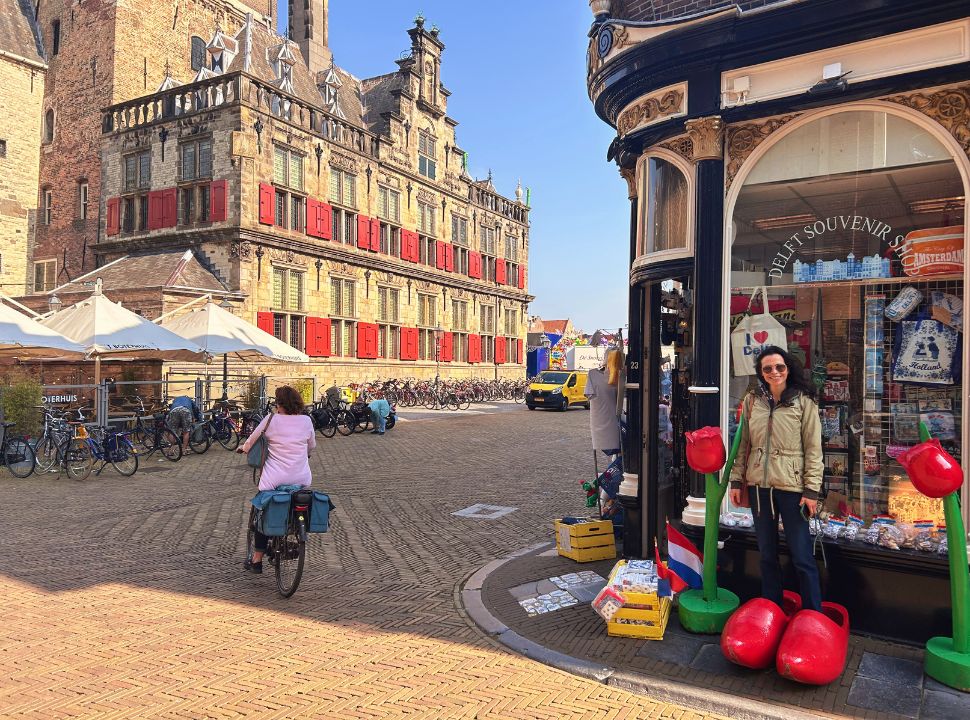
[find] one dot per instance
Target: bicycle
(286, 553)
(17, 455)
(113, 447)
(156, 435)
(217, 425)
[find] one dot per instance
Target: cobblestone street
(126, 597)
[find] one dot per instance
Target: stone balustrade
(496, 203)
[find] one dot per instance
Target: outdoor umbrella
(24, 337)
(105, 328)
(219, 332)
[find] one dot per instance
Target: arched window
(198, 53)
(49, 125)
(665, 209)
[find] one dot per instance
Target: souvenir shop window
(848, 245)
(665, 210)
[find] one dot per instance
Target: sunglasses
(778, 368)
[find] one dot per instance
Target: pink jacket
(290, 439)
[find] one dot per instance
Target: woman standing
(780, 463)
(290, 438)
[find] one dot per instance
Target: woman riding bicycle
(289, 436)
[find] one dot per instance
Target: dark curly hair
(798, 380)
(289, 399)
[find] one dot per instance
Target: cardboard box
(838, 303)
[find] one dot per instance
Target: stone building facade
(22, 74)
(336, 212)
(101, 52)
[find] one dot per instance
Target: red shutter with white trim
(114, 216)
(219, 194)
(267, 197)
(264, 321)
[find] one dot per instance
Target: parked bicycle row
(450, 394)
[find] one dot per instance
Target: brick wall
(23, 89)
(646, 10)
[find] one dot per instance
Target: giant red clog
(815, 646)
(751, 635)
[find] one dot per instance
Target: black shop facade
(798, 172)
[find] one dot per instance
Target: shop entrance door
(668, 360)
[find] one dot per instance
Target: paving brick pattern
(126, 598)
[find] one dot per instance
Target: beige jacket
(780, 448)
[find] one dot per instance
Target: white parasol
(24, 337)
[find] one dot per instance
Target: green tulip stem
(714, 489)
(956, 540)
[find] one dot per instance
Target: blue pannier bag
(274, 512)
(320, 512)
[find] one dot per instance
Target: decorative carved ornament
(949, 107)
(460, 293)
(630, 175)
(609, 38)
(242, 250)
(386, 278)
(286, 256)
(343, 162)
(426, 196)
(425, 286)
(341, 268)
(682, 146)
(389, 180)
(652, 109)
(741, 140)
(707, 136)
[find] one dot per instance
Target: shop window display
(854, 225)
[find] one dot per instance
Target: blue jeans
(379, 421)
(786, 504)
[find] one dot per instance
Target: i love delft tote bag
(754, 333)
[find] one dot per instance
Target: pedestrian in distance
(379, 410)
(290, 438)
(183, 413)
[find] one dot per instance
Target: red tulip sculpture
(707, 610)
(936, 474)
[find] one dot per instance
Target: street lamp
(437, 354)
(546, 344)
(54, 304)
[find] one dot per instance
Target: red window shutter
(325, 221)
(155, 210)
(518, 351)
(500, 271)
(475, 265)
(415, 248)
(312, 223)
(375, 236)
(409, 343)
(363, 232)
(447, 347)
(264, 321)
(499, 350)
(474, 348)
(449, 257)
(266, 200)
(114, 216)
(439, 255)
(219, 194)
(318, 337)
(370, 339)
(521, 279)
(170, 207)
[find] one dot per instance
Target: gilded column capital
(630, 175)
(707, 136)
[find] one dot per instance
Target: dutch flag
(684, 559)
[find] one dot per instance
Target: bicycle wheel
(329, 426)
(465, 401)
(199, 439)
(46, 454)
(363, 423)
(18, 456)
(453, 403)
(227, 436)
(124, 459)
(168, 443)
(346, 422)
(290, 554)
(76, 458)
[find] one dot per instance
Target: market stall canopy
(24, 337)
(105, 328)
(219, 332)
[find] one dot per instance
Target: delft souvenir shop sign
(921, 252)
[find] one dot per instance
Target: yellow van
(557, 389)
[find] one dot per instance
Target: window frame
(427, 159)
(47, 205)
(52, 262)
(642, 177)
(83, 198)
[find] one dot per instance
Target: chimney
(308, 29)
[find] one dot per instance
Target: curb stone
(660, 689)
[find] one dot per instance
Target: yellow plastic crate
(641, 600)
(585, 542)
(644, 632)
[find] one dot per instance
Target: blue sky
(517, 73)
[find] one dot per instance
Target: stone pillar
(707, 135)
(308, 29)
(632, 489)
